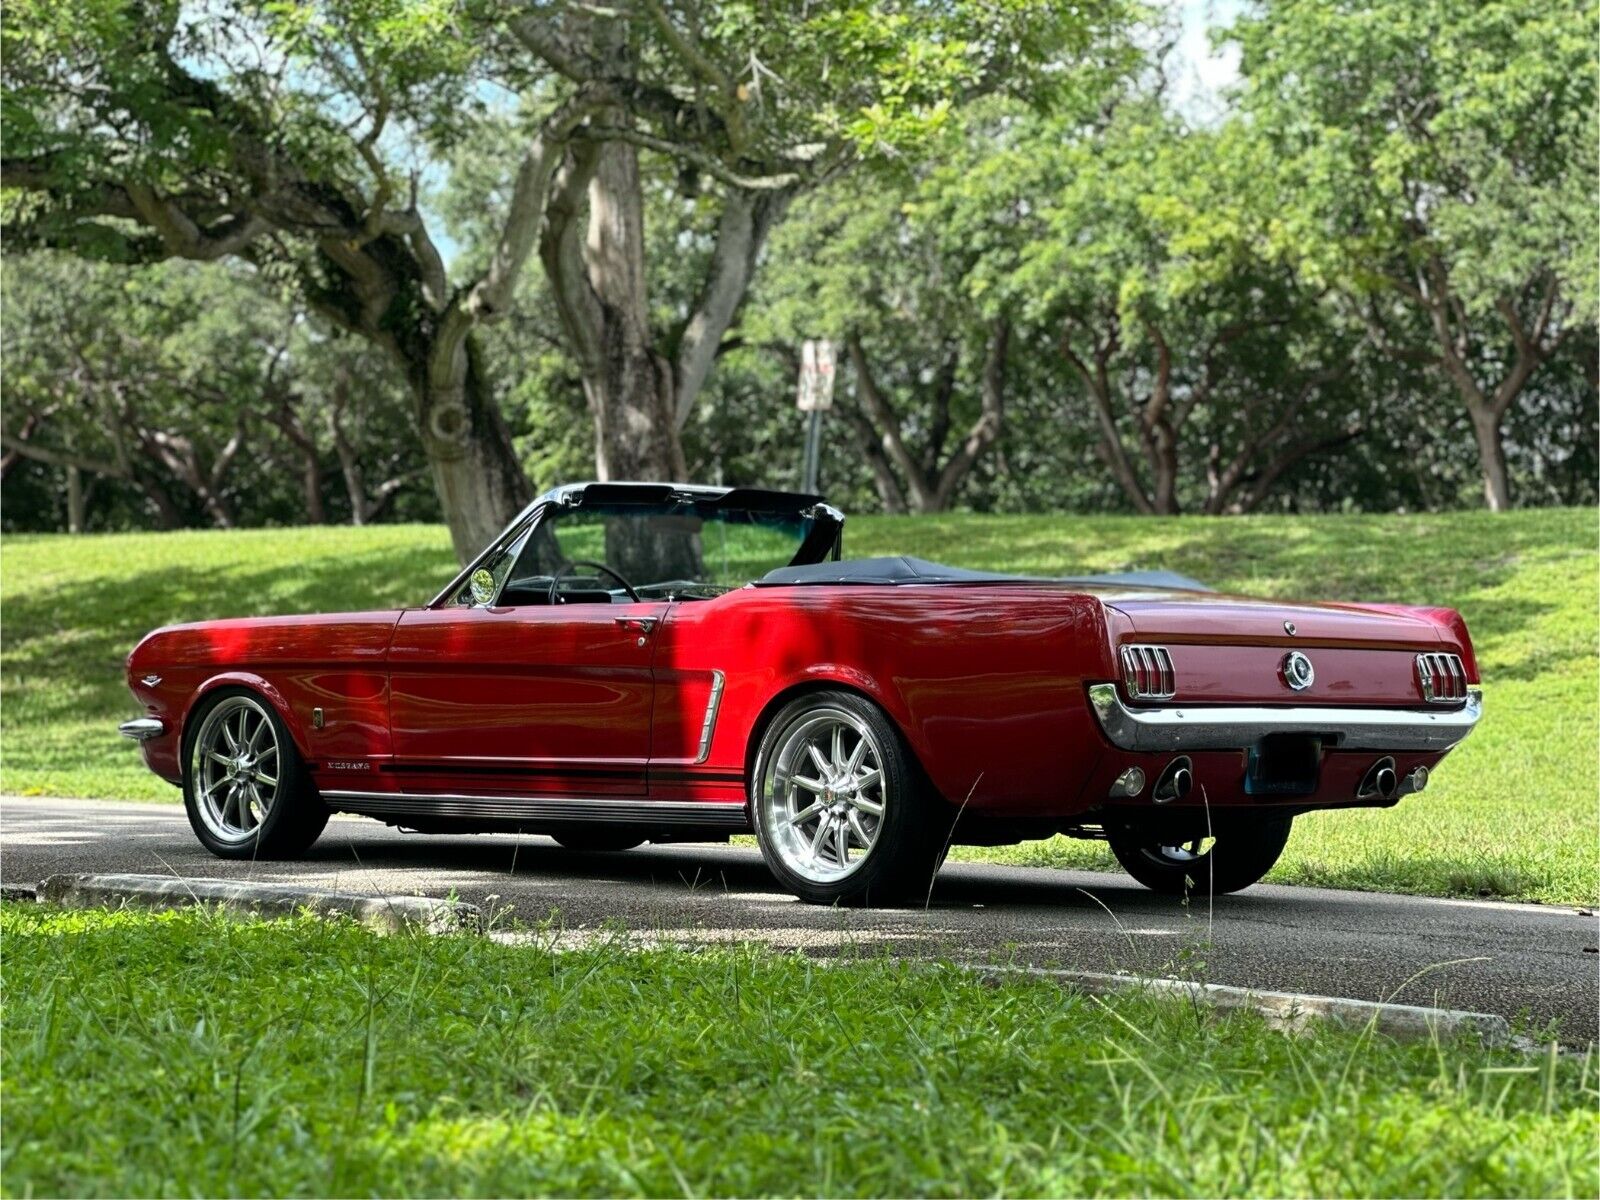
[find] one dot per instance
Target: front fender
(259, 684)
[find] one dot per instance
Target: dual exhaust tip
(1174, 782)
(1383, 782)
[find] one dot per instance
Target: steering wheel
(567, 568)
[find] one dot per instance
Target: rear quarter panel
(987, 683)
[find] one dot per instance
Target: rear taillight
(1147, 673)
(1442, 678)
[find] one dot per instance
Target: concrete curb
(1288, 1010)
(23, 892)
(385, 914)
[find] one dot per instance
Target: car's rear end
(1227, 715)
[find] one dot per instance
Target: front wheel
(1179, 865)
(245, 787)
(841, 809)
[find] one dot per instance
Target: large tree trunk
(593, 252)
(481, 484)
(1492, 458)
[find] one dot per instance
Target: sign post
(815, 398)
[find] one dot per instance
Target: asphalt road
(1515, 960)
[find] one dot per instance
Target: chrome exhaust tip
(1415, 780)
(1128, 785)
(1175, 782)
(1380, 781)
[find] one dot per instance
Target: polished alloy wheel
(1177, 856)
(235, 770)
(823, 796)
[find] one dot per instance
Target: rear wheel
(245, 787)
(841, 810)
(598, 840)
(1176, 866)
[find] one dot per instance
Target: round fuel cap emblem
(1297, 671)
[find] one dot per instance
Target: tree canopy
(384, 242)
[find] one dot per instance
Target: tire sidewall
(1237, 859)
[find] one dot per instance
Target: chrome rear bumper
(1201, 727)
(142, 729)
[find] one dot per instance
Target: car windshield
(687, 549)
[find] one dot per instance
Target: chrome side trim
(709, 725)
(1237, 727)
(621, 811)
(142, 729)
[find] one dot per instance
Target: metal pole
(813, 451)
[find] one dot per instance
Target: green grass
(1511, 814)
(189, 1054)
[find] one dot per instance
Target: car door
(537, 700)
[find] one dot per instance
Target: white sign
(816, 375)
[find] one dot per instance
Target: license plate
(1283, 765)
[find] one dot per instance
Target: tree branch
(741, 233)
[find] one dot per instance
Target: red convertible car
(652, 662)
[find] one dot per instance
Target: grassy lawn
(1511, 814)
(188, 1054)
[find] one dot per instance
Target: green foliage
(186, 1053)
(174, 389)
(1459, 130)
(1511, 813)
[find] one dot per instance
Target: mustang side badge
(1297, 671)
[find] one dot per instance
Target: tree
(195, 391)
(1150, 261)
(923, 374)
(140, 130)
(1443, 161)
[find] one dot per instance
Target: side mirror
(480, 587)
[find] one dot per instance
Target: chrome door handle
(642, 624)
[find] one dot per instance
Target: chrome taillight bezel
(1147, 672)
(1442, 678)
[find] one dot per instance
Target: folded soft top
(902, 569)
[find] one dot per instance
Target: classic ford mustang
(655, 662)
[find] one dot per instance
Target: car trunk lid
(1233, 650)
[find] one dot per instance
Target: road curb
(385, 914)
(1287, 1010)
(19, 892)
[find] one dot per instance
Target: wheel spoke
(853, 763)
(815, 786)
(805, 814)
(871, 807)
(859, 829)
(822, 832)
(270, 780)
(221, 759)
(817, 757)
(842, 843)
(255, 738)
(866, 779)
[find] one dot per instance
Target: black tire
(296, 816)
(1238, 857)
(910, 837)
(598, 840)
